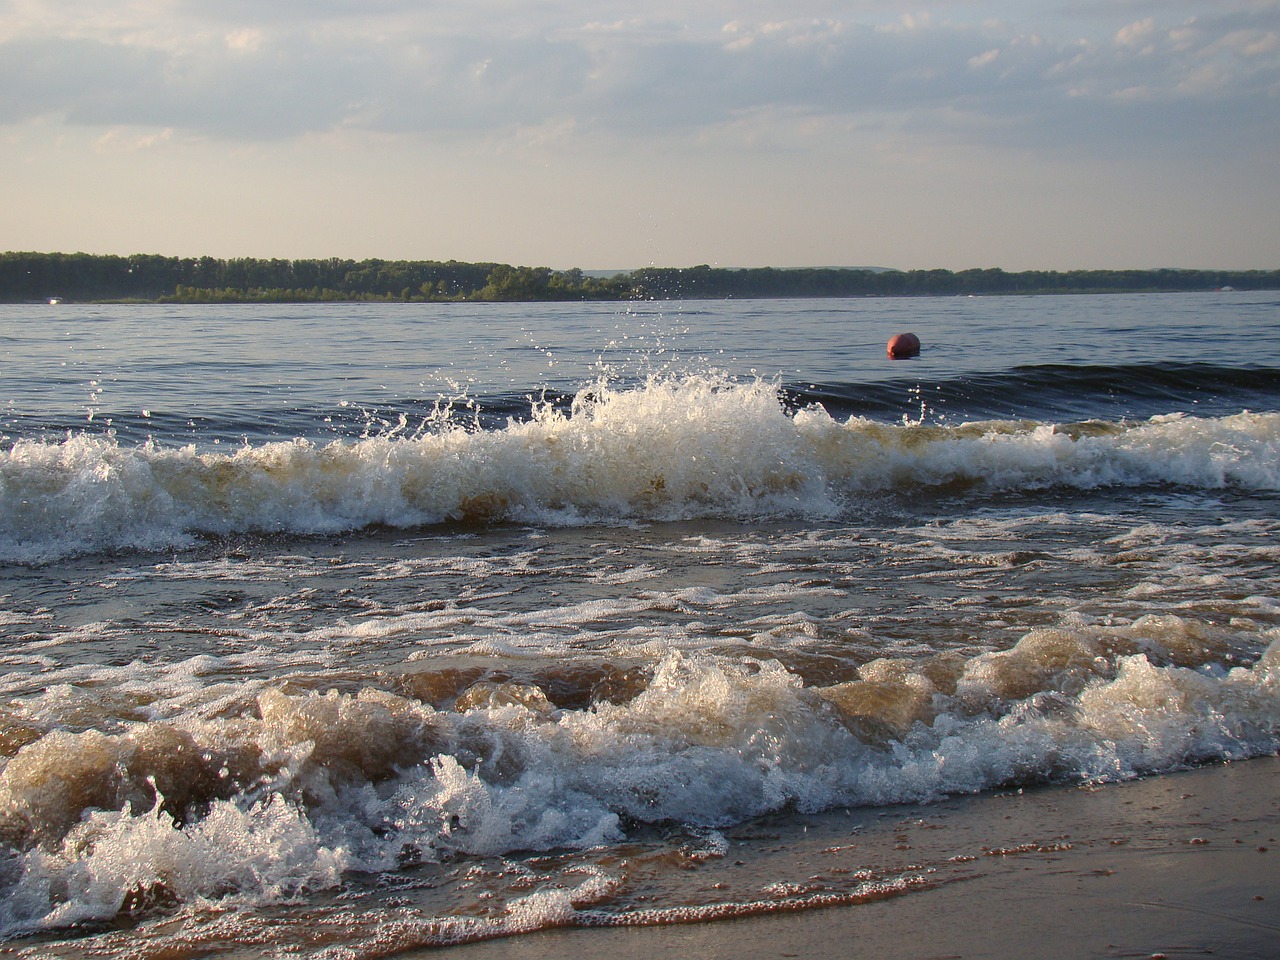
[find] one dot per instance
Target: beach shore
(1181, 865)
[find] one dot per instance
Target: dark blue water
(199, 374)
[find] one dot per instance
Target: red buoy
(903, 345)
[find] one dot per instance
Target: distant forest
(26, 277)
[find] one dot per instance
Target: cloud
(245, 40)
(1136, 34)
(248, 71)
(984, 59)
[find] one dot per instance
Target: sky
(1037, 134)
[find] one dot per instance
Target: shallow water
(470, 620)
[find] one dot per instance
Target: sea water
(349, 629)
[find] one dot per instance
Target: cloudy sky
(1023, 134)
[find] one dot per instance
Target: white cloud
(1136, 34)
(246, 40)
(775, 80)
(126, 140)
(984, 59)
(1251, 43)
(400, 66)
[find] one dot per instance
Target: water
(348, 629)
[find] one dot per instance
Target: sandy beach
(1177, 866)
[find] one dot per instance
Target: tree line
(28, 277)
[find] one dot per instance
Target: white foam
(669, 449)
(259, 852)
(307, 786)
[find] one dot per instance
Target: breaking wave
(698, 447)
(258, 793)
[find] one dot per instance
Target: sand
(1183, 865)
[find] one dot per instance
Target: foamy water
(533, 637)
(692, 448)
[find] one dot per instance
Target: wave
(1054, 391)
(1050, 392)
(253, 793)
(698, 447)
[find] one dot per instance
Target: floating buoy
(903, 345)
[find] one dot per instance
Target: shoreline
(63, 277)
(247, 300)
(1179, 865)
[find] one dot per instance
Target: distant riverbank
(26, 277)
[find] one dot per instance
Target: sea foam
(282, 792)
(698, 447)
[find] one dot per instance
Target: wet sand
(1177, 866)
